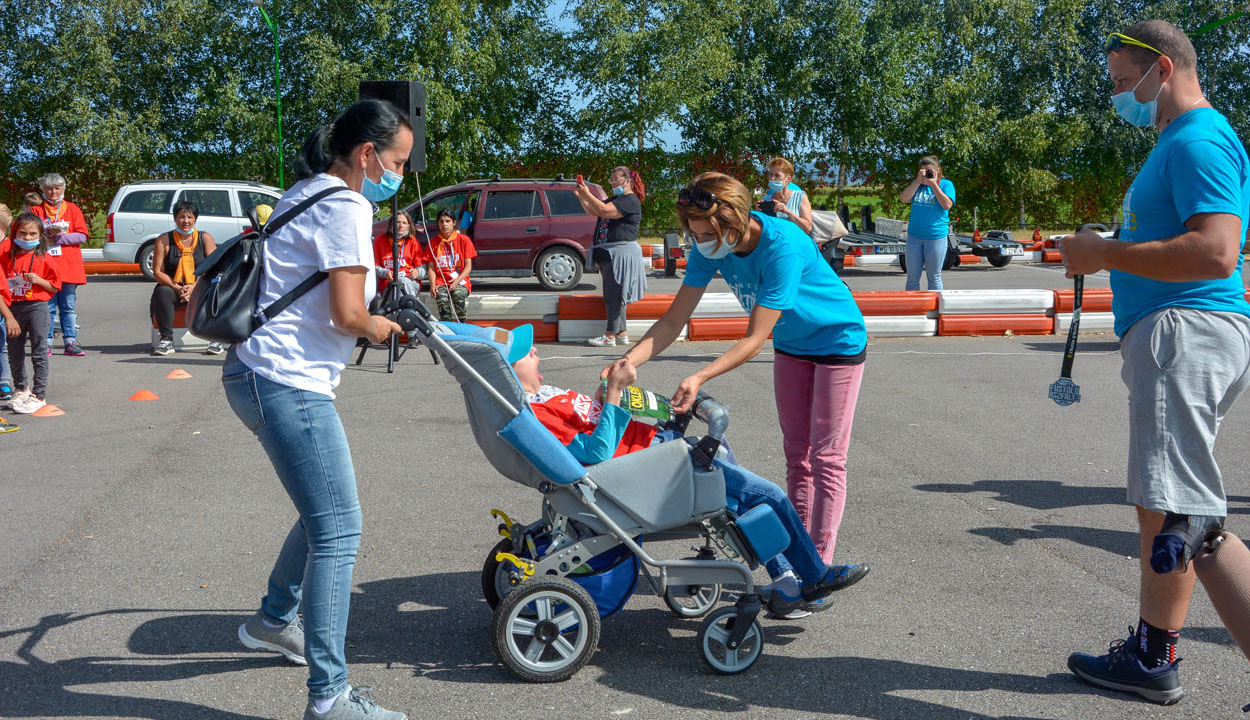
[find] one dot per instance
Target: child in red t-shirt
(31, 278)
(450, 259)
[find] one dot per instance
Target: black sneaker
(1122, 669)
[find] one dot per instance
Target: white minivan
(140, 212)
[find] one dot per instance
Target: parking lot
(139, 535)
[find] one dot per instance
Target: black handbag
(222, 307)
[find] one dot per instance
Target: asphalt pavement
(139, 535)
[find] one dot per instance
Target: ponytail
(637, 185)
(375, 121)
(315, 157)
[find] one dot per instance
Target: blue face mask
(776, 185)
(618, 189)
(379, 191)
(712, 251)
(26, 244)
(1135, 112)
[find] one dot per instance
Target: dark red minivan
(520, 227)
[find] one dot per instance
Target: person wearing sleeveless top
(174, 258)
(784, 198)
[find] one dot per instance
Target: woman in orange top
(31, 274)
(411, 269)
(67, 230)
(450, 258)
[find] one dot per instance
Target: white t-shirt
(301, 347)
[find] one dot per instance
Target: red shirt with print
(69, 256)
(45, 266)
(449, 257)
(570, 413)
(410, 256)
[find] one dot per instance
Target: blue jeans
(67, 300)
(744, 490)
(304, 439)
(927, 255)
(6, 375)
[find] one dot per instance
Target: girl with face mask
(32, 277)
(615, 250)
(784, 199)
(818, 332)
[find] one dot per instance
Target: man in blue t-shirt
(1184, 325)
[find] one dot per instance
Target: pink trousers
(816, 404)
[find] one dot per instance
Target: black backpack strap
(309, 282)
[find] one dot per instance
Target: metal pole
(277, 89)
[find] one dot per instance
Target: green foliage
(1011, 94)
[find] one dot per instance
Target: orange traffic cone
(144, 395)
(49, 411)
(976, 236)
(178, 374)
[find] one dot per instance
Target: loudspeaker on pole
(408, 96)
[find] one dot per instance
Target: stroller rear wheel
(546, 629)
(691, 601)
(714, 643)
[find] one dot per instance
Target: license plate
(891, 249)
(1011, 251)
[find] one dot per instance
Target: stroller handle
(713, 413)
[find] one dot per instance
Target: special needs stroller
(551, 581)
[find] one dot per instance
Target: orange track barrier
(1052, 256)
(717, 328)
(657, 263)
(111, 268)
(995, 324)
(543, 332)
(590, 307)
(896, 302)
(970, 259)
(1094, 300)
(848, 261)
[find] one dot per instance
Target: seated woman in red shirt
(411, 270)
(595, 431)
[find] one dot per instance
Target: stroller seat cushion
(525, 433)
(655, 486)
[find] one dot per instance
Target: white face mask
(712, 251)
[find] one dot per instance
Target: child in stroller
(595, 431)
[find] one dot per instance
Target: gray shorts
(1184, 368)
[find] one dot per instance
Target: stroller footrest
(763, 530)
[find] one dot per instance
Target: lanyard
(60, 210)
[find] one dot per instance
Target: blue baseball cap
(513, 344)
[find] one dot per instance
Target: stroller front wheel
(714, 643)
(546, 629)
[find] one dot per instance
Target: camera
(928, 174)
(768, 207)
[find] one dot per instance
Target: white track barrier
(875, 259)
(995, 302)
(718, 305)
(1091, 322)
(900, 326)
(583, 330)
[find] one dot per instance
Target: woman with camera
(615, 250)
(784, 199)
(931, 197)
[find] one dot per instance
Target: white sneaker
(622, 339)
(19, 396)
(28, 405)
(602, 341)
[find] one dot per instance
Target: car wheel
(999, 260)
(144, 259)
(558, 269)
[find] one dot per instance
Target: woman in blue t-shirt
(931, 197)
(819, 338)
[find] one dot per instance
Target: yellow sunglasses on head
(1116, 41)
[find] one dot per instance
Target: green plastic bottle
(644, 404)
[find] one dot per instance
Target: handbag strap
(308, 283)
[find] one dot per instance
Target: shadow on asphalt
(1056, 344)
(39, 688)
(440, 625)
(1052, 495)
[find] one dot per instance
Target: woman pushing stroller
(595, 431)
